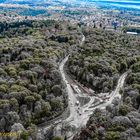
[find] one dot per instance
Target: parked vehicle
(77, 103)
(76, 88)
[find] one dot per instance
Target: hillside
(98, 64)
(31, 87)
(103, 57)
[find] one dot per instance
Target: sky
(123, 3)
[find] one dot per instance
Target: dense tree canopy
(31, 86)
(104, 56)
(98, 64)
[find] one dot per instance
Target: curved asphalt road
(79, 120)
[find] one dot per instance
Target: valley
(69, 70)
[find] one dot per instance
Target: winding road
(79, 115)
(79, 120)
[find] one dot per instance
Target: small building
(132, 33)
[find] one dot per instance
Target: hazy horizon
(135, 4)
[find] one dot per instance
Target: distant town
(89, 15)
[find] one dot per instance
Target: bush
(112, 135)
(123, 110)
(136, 67)
(57, 90)
(56, 104)
(17, 88)
(2, 102)
(14, 104)
(29, 99)
(3, 88)
(2, 72)
(136, 86)
(12, 71)
(24, 64)
(24, 135)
